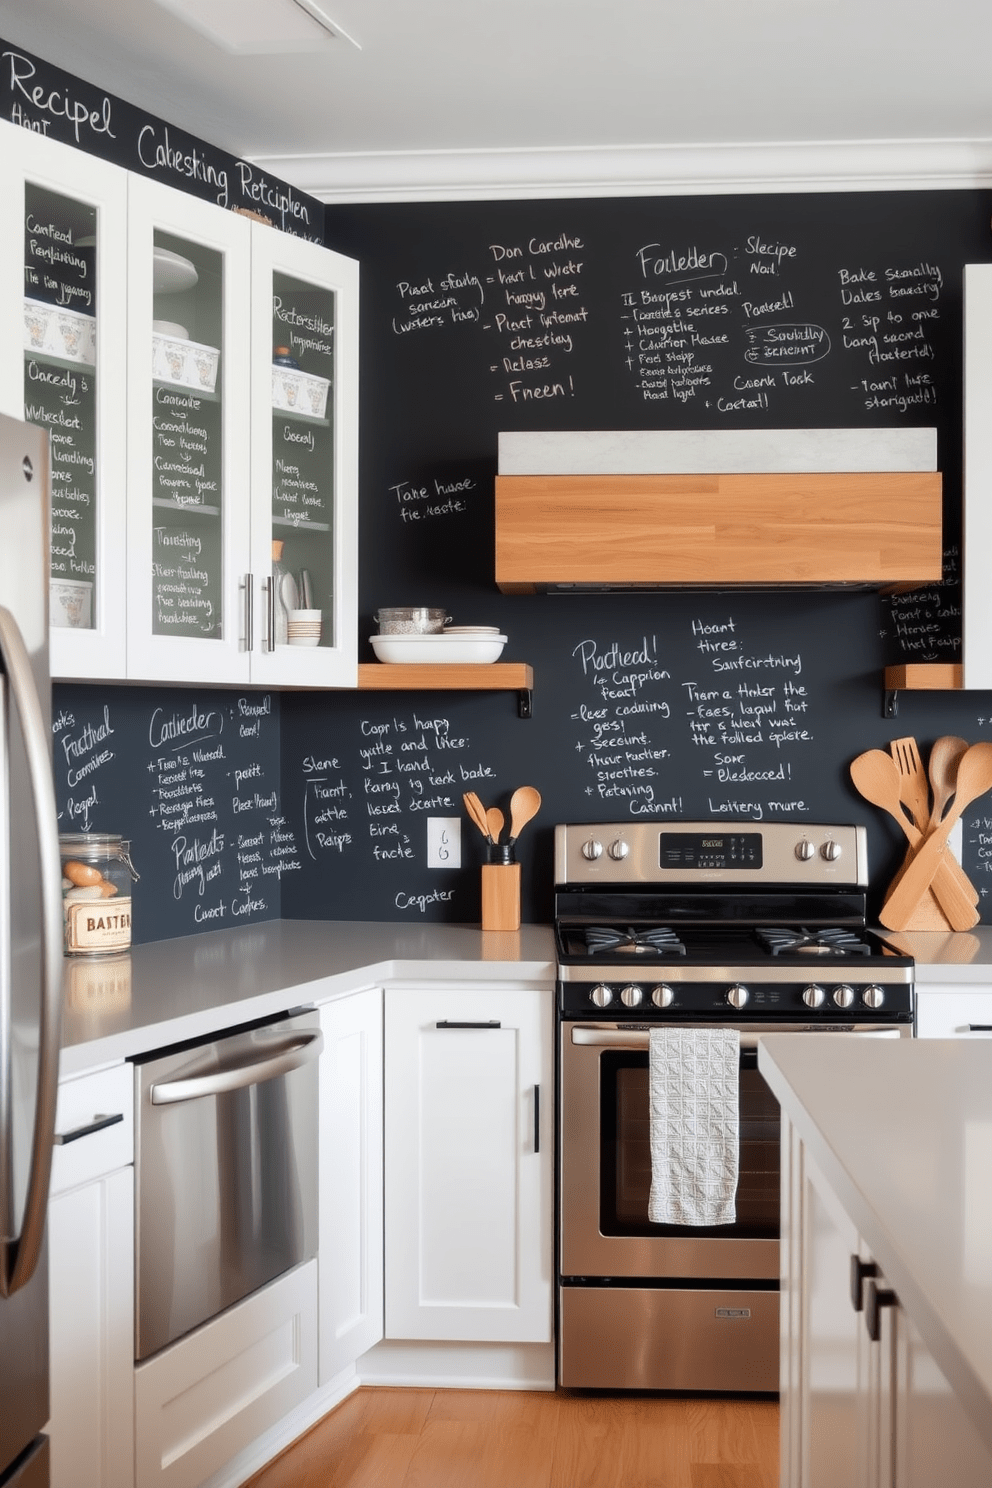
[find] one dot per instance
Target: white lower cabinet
(209, 1395)
(91, 1284)
(469, 1164)
(864, 1403)
(953, 1010)
(350, 1255)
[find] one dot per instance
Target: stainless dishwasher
(225, 1160)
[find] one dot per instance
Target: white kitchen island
(887, 1162)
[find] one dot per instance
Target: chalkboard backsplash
(480, 318)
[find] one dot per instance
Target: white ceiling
(530, 92)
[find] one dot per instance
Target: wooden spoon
(525, 803)
(876, 776)
(494, 818)
(973, 780)
(477, 812)
(945, 756)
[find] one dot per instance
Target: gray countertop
(172, 990)
(947, 956)
(907, 1149)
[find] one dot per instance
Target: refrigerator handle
(19, 1257)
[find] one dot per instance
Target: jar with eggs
(97, 873)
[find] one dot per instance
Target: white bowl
(437, 648)
(70, 604)
(53, 331)
(304, 640)
(185, 363)
(305, 616)
(299, 392)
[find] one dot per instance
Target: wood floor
(383, 1438)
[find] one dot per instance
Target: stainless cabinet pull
(537, 1119)
(19, 1255)
(290, 1055)
(270, 614)
(97, 1124)
(249, 612)
(492, 1023)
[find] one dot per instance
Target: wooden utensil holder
(501, 896)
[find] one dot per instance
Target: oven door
(605, 1167)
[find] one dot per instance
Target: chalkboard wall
(828, 310)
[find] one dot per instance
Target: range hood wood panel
(724, 530)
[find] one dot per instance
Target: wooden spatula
(973, 780)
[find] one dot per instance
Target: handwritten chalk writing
(157, 153)
(54, 101)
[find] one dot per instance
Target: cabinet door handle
(97, 1124)
(492, 1023)
(878, 1297)
(270, 614)
(860, 1273)
(980, 1027)
(249, 612)
(537, 1119)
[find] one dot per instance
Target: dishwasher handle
(289, 1055)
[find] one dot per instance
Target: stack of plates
(303, 627)
(472, 630)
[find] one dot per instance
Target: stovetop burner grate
(657, 940)
(831, 941)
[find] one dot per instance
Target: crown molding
(641, 170)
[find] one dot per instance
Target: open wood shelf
(920, 676)
(497, 676)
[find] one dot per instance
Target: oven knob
(814, 996)
(844, 996)
(737, 996)
(873, 996)
(619, 850)
(601, 996)
(592, 849)
(830, 850)
(805, 850)
(631, 996)
(663, 996)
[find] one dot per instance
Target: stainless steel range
(754, 926)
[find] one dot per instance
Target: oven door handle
(618, 1038)
(297, 1050)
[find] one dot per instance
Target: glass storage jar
(97, 873)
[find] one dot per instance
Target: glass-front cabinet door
(63, 367)
(189, 346)
(304, 461)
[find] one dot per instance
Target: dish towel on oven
(693, 1080)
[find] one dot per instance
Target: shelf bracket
(525, 702)
(890, 702)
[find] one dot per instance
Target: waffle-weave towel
(695, 1124)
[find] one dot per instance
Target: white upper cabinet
(189, 345)
(304, 459)
(63, 313)
(198, 375)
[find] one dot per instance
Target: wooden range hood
(721, 509)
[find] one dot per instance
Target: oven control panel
(866, 1000)
(658, 852)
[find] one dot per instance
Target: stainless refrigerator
(30, 953)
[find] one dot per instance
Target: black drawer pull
(97, 1124)
(860, 1272)
(980, 1027)
(537, 1119)
(878, 1297)
(492, 1023)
